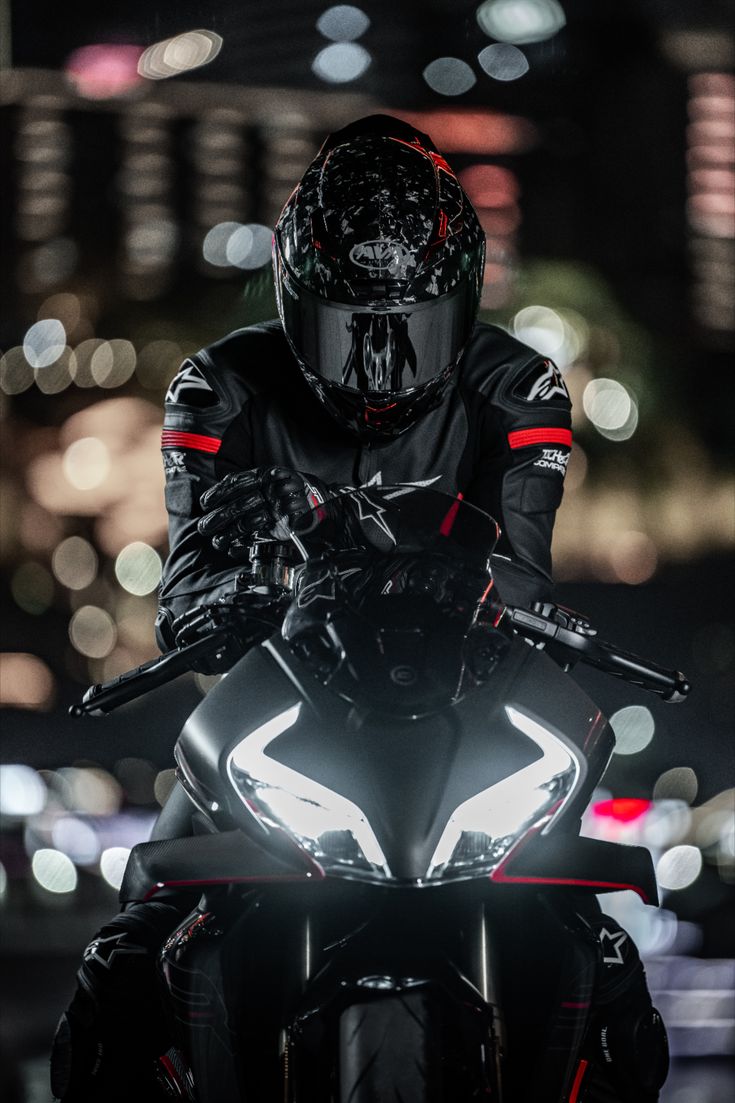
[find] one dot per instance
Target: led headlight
(482, 830)
(330, 828)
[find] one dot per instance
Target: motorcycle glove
(264, 500)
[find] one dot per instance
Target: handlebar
(104, 698)
(575, 639)
(578, 640)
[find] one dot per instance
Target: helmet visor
(377, 350)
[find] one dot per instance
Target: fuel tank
(408, 775)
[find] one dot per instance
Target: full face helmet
(378, 258)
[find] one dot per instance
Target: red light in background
(104, 71)
(473, 131)
(622, 809)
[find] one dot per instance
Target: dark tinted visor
(380, 350)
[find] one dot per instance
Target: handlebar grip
(104, 698)
(670, 685)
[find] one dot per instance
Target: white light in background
(44, 342)
(54, 871)
(249, 246)
(74, 563)
(77, 839)
(667, 823)
(449, 76)
(214, 246)
(86, 463)
(138, 568)
(541, 328)
(3, 881)
(112, 864)
(520, 21)
(611, 408)
(342, 23)
(341, 62)
(679, 867)
(176, 55)
(634, 727)
(92, 631)
(22, 791)
(501, 61)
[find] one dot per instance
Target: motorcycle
(385, 869)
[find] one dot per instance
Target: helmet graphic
(378, 258)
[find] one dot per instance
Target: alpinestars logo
(554, 459)
(380, 256)
(612, 946)
(190, 388)
(547, 384)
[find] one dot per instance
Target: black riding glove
(264, 500)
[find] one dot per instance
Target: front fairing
(407, 775)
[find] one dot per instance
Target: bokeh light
(16, 374)
(25, 681)
(86, 463)
(44, 342)
(103, 71)
(678, 783)
(610, 408)
(520, 21)
(138, 568)
(177, 55)
(634, 727)
(449, 76)
(249, 247)
(342, 23)
(54, 871)
(22, 790)
(501, 61)
(679, 867)
(112, 864)
(112, 363)
(92, 631)
(77, 839)
(74, 563)
(91, 790)
(341, 62)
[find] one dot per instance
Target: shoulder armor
(212, 386)
(511, 374)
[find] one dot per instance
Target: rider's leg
(628, 1044)
(108, 1039)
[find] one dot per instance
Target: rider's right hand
(264, 500)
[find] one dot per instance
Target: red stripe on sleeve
(172, 438)
(522, 438)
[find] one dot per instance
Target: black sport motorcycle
(389, 891)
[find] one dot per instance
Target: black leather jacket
(501, 437)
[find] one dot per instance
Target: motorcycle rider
(375, 373)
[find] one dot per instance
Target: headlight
(484, 828)
(330, 828)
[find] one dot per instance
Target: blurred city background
(146, 151)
